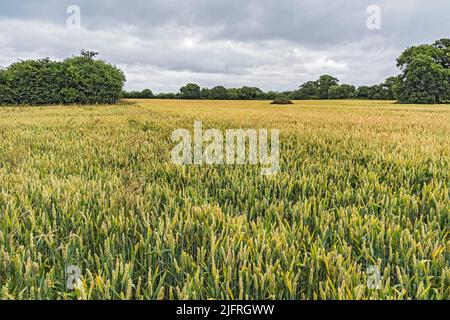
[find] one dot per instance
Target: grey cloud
(273, 44)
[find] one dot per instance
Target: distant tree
(343, 91)
(384, 91)
(325, 82)
(426, 74)
(271, 95)
(146, 94)
(364, 92)
(190, 91)
(308, 90)
(166, 96)
(316, 89)
(335, 92)
(205, 93)
(250, 93)
(233, 94)
(219, 93)
(388, 87)
(295, 95)
(424, 81)
(129, 94)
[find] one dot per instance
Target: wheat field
(361, 184)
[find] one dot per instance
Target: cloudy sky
(272, 44)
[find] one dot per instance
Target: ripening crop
(361, 185)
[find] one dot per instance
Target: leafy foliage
(426, 74)
(384, 91)
(343, 91)
(190, 91)
(144, 94)
(77, 80)
(324, 84)
(218, 93)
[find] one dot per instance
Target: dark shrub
(78, 80)
(282, 100)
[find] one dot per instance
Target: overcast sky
(272, 44)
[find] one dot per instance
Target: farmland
(361, 184)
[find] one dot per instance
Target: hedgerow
(77, 80)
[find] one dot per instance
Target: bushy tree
(384, 91)
(6, 96)
(205, 93)
(272, 95)
(343, 91)
(219, 93)
(364, 92)
(250, 93)
(424, 81)
(166, 96)
(443, 46)
(308, 90)
(146, 94)
(426, 74)
(319, 89)
(409, 55)
(94, 81)
(80, 80)
(34, 82)
(190, 91)
(389, 86)
(325, 82)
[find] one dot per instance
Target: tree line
(326, 87)
(424, 78)
(77, 80)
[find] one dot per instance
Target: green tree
(250, 93)
(444, 57)
(205, 93)
(272, 95)
(343, 91)
(233, 94)
(146, 94)
(325, 82)
(166, 95)
(316, 89)
(426, 75)
(219, 93)
(424, 81)
(408, 56)
(190, 91)
(364, 92)
(308, 90)
(80, 80)
(94, 81)
(388, 88)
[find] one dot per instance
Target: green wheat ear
(363, 186)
